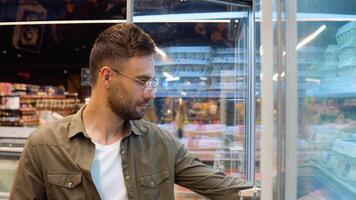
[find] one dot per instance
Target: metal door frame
(279, 108)
(251, 99)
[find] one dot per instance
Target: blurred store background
(205, 66)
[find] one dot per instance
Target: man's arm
(29, 182)
(211, 183)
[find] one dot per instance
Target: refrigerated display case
(327, 118)
(314, 90)
(206, 70)
(10, 151)
(203, 66)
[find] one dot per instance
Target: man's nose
(149, 95)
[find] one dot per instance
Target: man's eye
(143, 80)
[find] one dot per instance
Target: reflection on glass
(202, 91)
(327, 107)
(153, 7)
(201, 100)
(61, 10)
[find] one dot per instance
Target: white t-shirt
(107, 172)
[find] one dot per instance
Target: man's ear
(105, 74)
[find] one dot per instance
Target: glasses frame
(150, 86)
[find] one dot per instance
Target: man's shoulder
(152, 130)
(52, 134)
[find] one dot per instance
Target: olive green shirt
(57, 159)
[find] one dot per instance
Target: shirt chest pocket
(156, 186)
(66, 185)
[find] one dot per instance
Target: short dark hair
(119, 43)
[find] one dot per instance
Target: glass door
(309, 88)
(326, 100)
(206, 71)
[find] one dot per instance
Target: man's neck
(102, 125)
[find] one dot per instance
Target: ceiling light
(311, 37)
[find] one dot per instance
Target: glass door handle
(253, 193)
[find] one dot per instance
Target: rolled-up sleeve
(28, 183)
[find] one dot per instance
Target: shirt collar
(134, 127)
(77, 125)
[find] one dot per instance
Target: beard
(123, 107)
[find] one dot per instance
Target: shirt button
(152, 183)
(127, 177)
(122, 152)
(70, 184)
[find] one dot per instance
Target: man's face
(126, 97)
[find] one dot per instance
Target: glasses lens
(152, 83)
(151, 86)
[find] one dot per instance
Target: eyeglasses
(150, 86)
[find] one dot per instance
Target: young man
(105, 151)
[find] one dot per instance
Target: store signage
(29, 37)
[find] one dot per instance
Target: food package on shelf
(197, 130)
(5, 88)
(202, 142)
